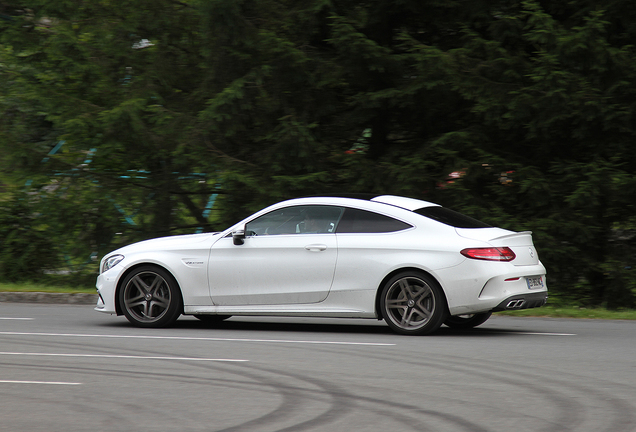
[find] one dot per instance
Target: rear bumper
(523, 301)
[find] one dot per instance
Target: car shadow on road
(303, 325)
(351, 327)
(286, 326)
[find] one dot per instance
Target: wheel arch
(378, 292)
(123, 276)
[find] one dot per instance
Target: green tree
(26, 249)
(552, 93)
(143, 112)
(98, 102)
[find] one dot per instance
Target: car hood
(166, 243)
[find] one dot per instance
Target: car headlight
(111, 262)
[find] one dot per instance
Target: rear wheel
(467, 321)
(150, 297)
(413, 304)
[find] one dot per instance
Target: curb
(51, 298)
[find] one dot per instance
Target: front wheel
(467, 321)
(150, 297)
(413, 304)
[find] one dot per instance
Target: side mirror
(238, 237)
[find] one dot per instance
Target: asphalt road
(68, 368)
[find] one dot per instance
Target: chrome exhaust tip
(516, 304)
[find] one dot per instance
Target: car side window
(312, 219)
(363, 221)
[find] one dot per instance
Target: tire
(413, 304)
(467, 321)
(150, 297)
(212, 319)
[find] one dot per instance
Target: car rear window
(451, 217)
(362, 221)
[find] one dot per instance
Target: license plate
(535, 282)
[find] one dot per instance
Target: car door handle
(316, 247)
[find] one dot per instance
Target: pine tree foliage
(113, 90)
(518, 113)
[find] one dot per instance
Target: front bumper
(106, 287)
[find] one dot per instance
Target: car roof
(393, 200)
(373, 202)
(403, 202)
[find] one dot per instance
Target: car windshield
(451, 217)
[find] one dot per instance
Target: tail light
(490, 254)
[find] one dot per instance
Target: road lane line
(195, 338)
(546, 334)
(10, 318)
(39, 382)
(115, 356)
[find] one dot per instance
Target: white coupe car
(413, 263)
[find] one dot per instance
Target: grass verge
(35, 287)
(561, 311)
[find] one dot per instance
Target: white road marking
(114, 356)
(39, 382)
(9, 318)
(546, 334)
(195, 338)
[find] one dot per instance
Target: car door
(286, 258)
(369, 245)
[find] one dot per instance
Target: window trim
(331, 206)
